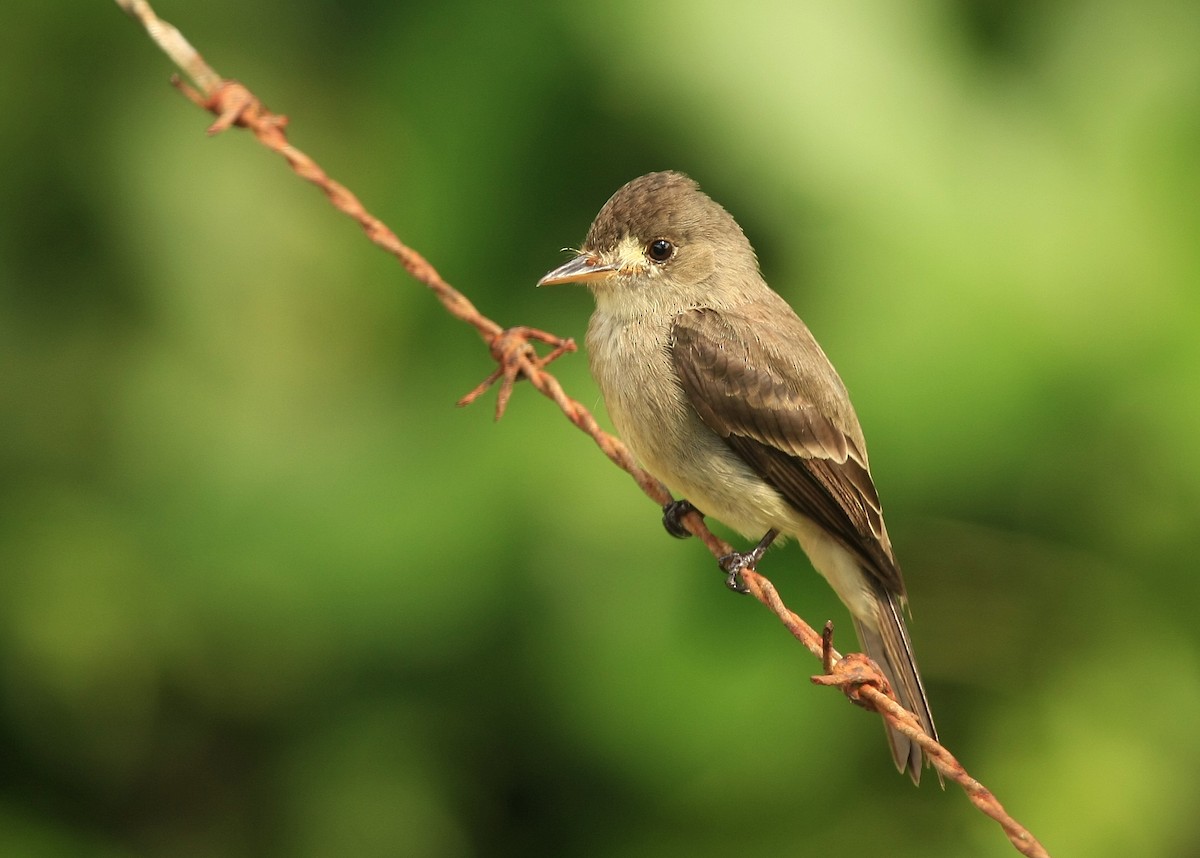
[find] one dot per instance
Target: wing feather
(791, 421)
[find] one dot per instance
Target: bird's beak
(582, 269)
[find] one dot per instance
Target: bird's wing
(759, 403)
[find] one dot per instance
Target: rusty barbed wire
(862, 681)
(516, 357)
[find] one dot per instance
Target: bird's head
(657, 241)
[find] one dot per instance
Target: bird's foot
(672, 519)
(735, 563)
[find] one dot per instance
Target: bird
(721, 392)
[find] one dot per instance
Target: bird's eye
(660, 250)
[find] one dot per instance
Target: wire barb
(851, 673)
(512, 348)
(517, 359)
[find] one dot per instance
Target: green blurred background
(265, 591)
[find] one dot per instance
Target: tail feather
(888, 645)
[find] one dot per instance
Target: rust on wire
(516, 357)
(863, 682)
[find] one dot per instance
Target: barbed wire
(517, 359)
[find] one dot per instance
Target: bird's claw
(736, 562)
(673, 514)
(732, 565)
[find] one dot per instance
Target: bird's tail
(888, 645)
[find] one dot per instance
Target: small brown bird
(722, 393)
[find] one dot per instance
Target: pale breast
(631, 363)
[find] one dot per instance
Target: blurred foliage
(265, 591)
